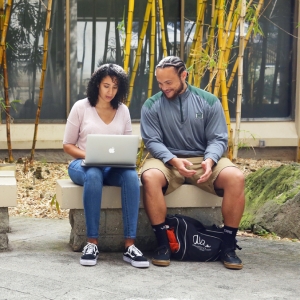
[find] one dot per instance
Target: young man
(184, 129)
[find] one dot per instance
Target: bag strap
(195, 222)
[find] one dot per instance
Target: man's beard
(176, 92)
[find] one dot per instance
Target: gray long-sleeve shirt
(192, 124)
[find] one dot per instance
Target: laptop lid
(111, 150)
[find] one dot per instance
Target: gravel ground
(36, 187)
(36, 194)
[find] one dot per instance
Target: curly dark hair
(172, 61)
(118, 75)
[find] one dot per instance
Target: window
(98, 33)
(24, 62)
(267, 90)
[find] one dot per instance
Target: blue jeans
(92, 179)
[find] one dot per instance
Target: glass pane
(24, 61)
(101, 39)
(267, 90)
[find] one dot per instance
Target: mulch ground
(37, 187)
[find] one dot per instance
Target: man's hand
(207, 168)
(181, 165)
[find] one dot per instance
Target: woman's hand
(74, 151)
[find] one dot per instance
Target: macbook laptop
(111, 151)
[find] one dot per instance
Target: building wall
(275, 134)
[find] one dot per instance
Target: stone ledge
(8, 192)
(111, 236)
(8, 185)
(69, 196)
(187, 200)
(4, 221)
(3, 242)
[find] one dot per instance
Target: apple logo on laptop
(111, 150)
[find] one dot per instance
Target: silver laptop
(111, 151)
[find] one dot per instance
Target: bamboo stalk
(1, 15)
(197, 34)
(44, 65)
(152, 49)
(211, 35)
(128, 34)
(221, 45)
(199, 63)
(233, 72)
(5, 81)
(162, 28)
(4, 29)
(226, 42)
(230, 145)
(7, 109)
(221, 68)
(139, 162)
(229, 16)
(198, 25)
(211, 46)
(233, 28)
(139, 50)
(240, 80)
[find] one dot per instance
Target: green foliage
(54, 202)
(3, 106)
(250, 16)
(266, 234)
(263, 232)
(208, 62)
(43, 160)
(121, 28)
(277, 185)
(242, 143)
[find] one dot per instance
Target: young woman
(104, 112)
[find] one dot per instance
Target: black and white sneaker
(135, 257)
(90, 255)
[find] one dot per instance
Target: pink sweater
(84, 119)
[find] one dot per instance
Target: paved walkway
(41, 265)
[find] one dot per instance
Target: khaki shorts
(175, 180)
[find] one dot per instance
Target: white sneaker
(135, 257)
(90, 255)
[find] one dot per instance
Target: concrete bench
(188, 200)
(8, 192)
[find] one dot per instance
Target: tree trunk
(93, 38)
(4, 29)
(107, 32)
(81, 86)
(35, 53)
(7, 109)
(45, 49)
(118, 46)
